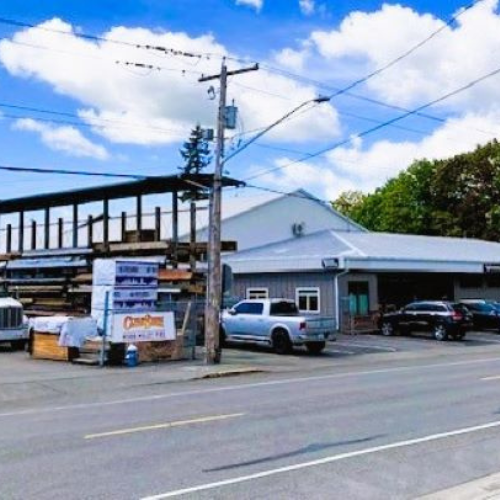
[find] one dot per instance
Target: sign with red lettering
(143, 327)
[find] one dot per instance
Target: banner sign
(143, 327)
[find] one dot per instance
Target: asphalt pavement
(399, 418)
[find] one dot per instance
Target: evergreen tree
(195, 152)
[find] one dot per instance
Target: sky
(102, 114)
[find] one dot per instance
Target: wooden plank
(175, 275)
(45, 346)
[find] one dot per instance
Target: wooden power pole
(214, 285)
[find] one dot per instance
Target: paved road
(395, 431)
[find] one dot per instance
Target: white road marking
(368, 346)
(494, 377)
(323, 461)
(166, 425)
(240, 387)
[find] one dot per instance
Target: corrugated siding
(482, 292)
(283, 285)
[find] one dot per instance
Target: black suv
(442, 319)
(485, 313)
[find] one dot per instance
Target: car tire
(222, 338)
(281, 342)
(439, 332)
(387, 329)
(315, 347)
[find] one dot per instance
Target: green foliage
(459, 196)
(195, 152)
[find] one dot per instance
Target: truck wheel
(222, 338)
(315, 347)
(281, 342)
(18, 345)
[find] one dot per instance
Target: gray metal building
(335, 272)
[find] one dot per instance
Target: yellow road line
(167, 425)
(495, 377)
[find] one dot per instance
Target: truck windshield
(284, 309)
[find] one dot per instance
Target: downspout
(337, 297)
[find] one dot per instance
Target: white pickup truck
(13, 323)
(275, 322)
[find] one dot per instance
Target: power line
(60, 171)
(405, 54)
(152, 67)
(96, 38)
(124, 125)
(381, 125)
(367, 77)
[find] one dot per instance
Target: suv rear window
(284, 309)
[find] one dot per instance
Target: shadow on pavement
(312, 448)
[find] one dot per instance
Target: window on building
(359, 302)
(257, 293)
(308, 300)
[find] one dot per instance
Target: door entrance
(396, 290)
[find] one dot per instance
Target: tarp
(72, 331)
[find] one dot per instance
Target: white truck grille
(11, 317)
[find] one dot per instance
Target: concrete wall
(283, 285)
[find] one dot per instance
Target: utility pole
(214, 278)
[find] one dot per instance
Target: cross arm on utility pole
(208, 78)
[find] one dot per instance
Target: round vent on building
(298, 228)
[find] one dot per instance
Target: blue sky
(306, 48)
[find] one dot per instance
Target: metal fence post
(102, 357)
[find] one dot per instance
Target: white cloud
(366, 167)
(307, 7)
(66, 139)
(157, 107)
(256, 4)
(365, 41)
(451, 59)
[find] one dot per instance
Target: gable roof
(369, 251)
(255, 203)
(299, 193)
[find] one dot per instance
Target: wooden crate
(155, 351)
(45, 346)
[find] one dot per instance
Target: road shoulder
(485, 488)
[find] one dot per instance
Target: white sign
(143, 327)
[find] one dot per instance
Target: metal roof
(369, 251)
(149, 185)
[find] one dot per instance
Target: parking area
(372, 343)
(23, 378)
